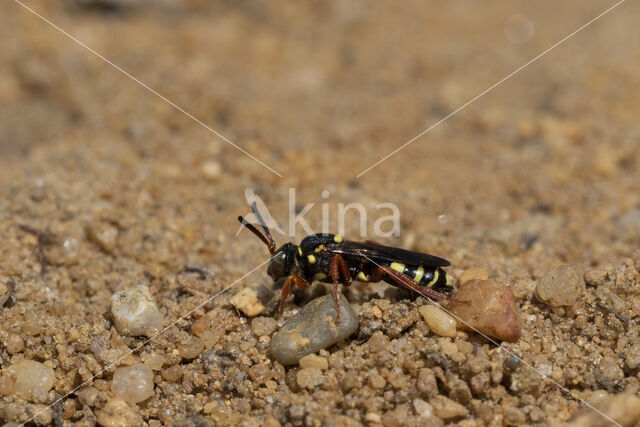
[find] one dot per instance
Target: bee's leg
(338, 269)
(285, 293)
(408, 283)
(299, 282)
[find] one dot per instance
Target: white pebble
(438, 320)
(134, 384)
(153, 359)
(31, 378)
(422, 408)
(211, 170)
(134, 312)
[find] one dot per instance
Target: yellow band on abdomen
(398, 266)
(436, 275)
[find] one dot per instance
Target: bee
(329, 258)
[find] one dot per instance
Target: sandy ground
(118, 188)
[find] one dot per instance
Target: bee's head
(283, 261)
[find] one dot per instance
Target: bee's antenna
(269, 242)
(252, 200)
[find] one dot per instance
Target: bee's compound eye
(277, 265)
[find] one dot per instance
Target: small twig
(363, 340)
(44, 237)
(202, 271)
(612, 311)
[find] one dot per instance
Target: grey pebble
(312, 329)
(513, 362)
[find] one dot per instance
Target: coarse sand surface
(106, 187)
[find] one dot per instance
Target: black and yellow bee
(331, 259)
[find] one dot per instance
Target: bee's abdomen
(428, 277)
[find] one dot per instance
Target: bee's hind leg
(410, 284)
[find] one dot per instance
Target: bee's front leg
(338, 269)
(291, 279)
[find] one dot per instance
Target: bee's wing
(386, 254)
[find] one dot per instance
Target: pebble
(513, 362)
(377, 381)
(260, 373)
(447, 409)
(474, 273)
(439, 321)
(247, 302)
(609, 374)
(632, 355)
(350, 381)
(422, 408)
(480, 382)
(153, 359)
(514, 417)
(597, 397)
(15, 343)
(263, 326)
(205, 329)
(623, 408)
(29, 379)
(314, 361)
(596, 277)
(43, 417)
(172, 373)
(372, 417)
(396, 417)
(491, 309)
(134, 312)
(117, 413)
(190, 347)
(90, 396)
(64, 251)
(309, 378)
(271, 422)
(211, 170)
(450, 350)
(427, 383)
(104, 235)
(134, 384)
(313, 328)
(32, 324)
(561, 286)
